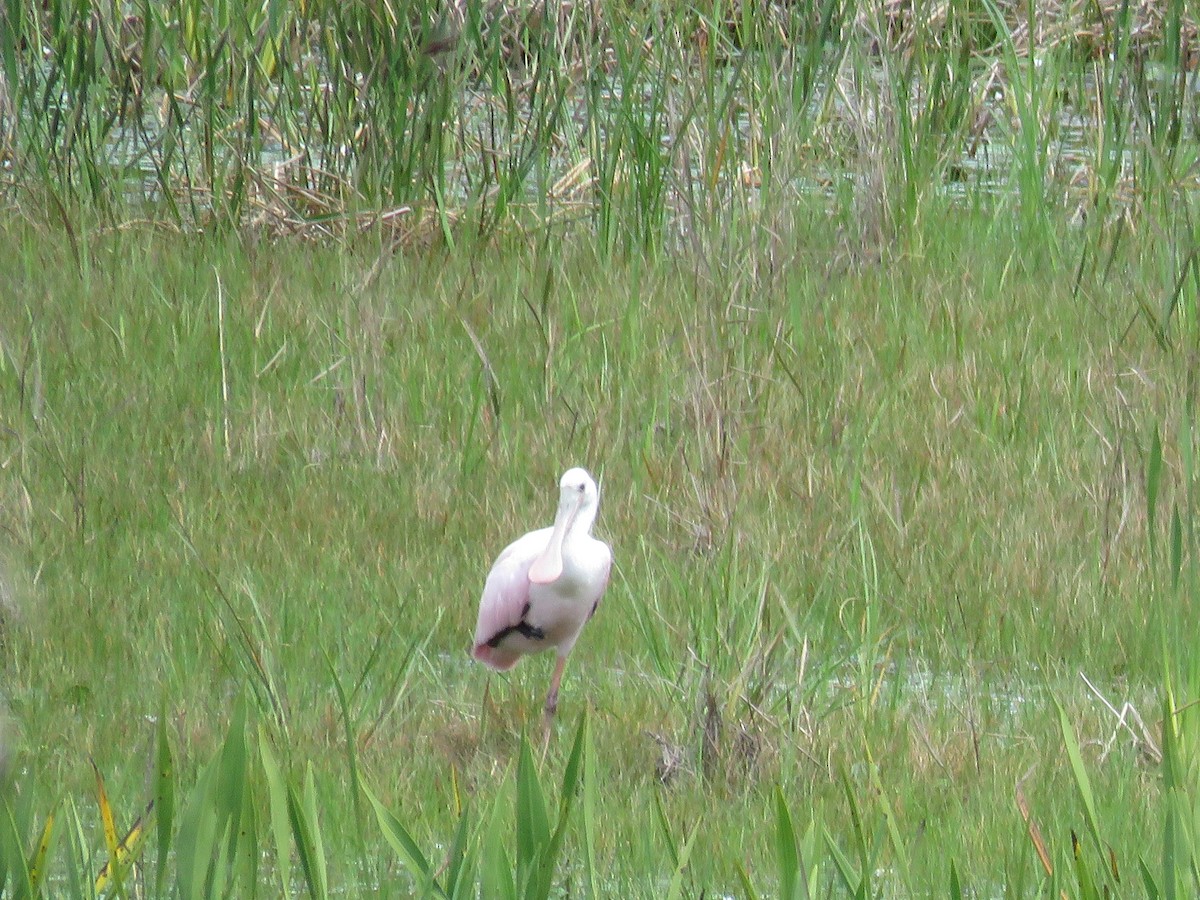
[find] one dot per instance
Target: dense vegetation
(880, 327)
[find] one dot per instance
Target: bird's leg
(552, 696)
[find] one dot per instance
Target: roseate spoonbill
(545, 586)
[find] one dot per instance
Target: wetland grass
(881, 338)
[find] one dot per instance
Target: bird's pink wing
(505, 597)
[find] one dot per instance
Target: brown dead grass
(1091, 26)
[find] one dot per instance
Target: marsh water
(1078, 145)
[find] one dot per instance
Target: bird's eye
(582, 487)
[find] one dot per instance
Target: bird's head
(578, 503)
(576, 489)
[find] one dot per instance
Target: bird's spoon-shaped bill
(549, 564)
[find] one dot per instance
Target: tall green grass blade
(231, 777)
(664, 829)
(891, 822)
(351, 751)
(745, 883)
(1083, 875)
(548, 855)
(1153, 478)
(590, 804)
(221, 875)
(862, 844)
(787, 852)
(1174, 784)
(196, 844)
(39, 859)
(164, 799)
(79, 859)
(811, 878)
(1082, 783)
(406, 848)
(460, 861)
(856, 885)
(1152, 889)
(277, 801)
(13, 866)
(306, 829)
(532, 820)
(1172, 855)
(1176, 546)
(675, 890)
(496, 868)
(124, 858)
(9, 851)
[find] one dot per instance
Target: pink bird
(545, 586)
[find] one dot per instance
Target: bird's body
(544, 586)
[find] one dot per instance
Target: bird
(545, 586)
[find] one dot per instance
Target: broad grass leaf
(78, 856)
(129, 851)
(12, 859)
(1152, 889)
(1176, 546)
(589, 813)
(675, 890)
(351, 746)
(845, 869)
(1153, 477)
(1082, 783)
(219, 868)
(496, 869)
(548, 858)
(306, 830)
(108, 825)
(810, 856)
(1083, 874)
(664, 828)
(787, 854)
(1174, 769)
(277, 801)
(533, 824)
(571, 772)
(196, 842)
(748, 890)
(461, 857)
(893, 828)
(866, 863)
(164, 799)
(406, 848)
(37, 862)
(316, 837)
(232, 765)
